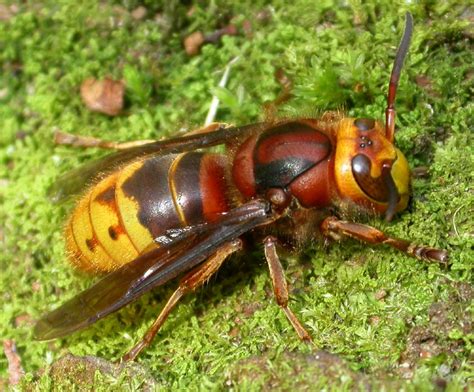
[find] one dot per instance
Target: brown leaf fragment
(8, 11)
(24, 320)
(193, 42)
(15, 371)
(139, 13)
(103, 96)
(215, 36)
(426, 83)
(380, 294)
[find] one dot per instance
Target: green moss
(378, 311)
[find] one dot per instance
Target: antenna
(402, 51)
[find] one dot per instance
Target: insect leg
(190, 282)
(280, 286)
(70, 139)
(334, 228)
(402, 51)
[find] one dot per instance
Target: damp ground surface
(379, 319)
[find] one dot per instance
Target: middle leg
(280, 287)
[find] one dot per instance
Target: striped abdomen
(120, 216)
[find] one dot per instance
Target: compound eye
(364, 124)
(372, 187)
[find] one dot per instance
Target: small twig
(15, 371)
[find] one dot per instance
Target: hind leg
(194, 279)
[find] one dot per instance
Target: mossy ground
(389, 320)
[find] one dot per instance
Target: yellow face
(369, 170)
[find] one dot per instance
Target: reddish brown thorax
(295, 156)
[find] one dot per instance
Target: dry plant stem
(194, 279)
(271, 108)
(15, 370)
(211, 127)
(69, 139)
(280, 286)
(88, 141)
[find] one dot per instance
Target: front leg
(333, 227)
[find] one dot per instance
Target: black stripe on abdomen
(149, 187)
(185, 184)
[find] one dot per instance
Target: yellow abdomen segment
(103, 232)
(139, 235)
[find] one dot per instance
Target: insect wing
(107, 295)
(75, 180)
(150, 270)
